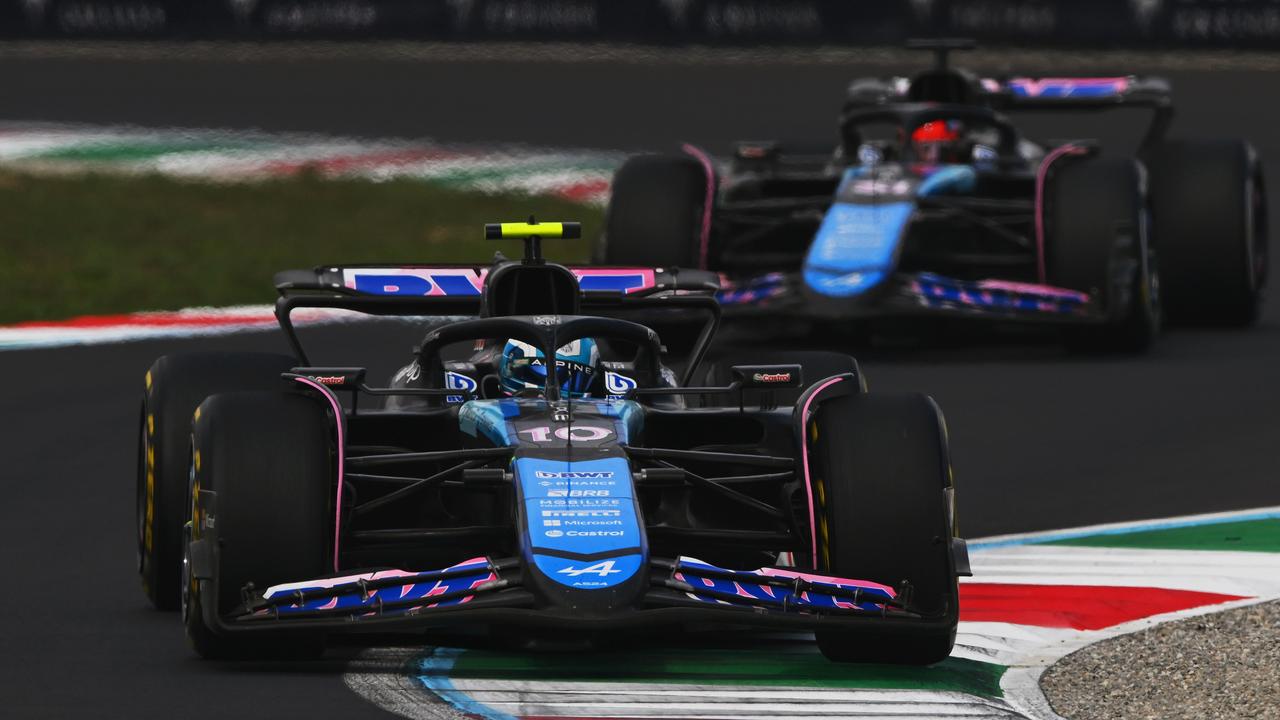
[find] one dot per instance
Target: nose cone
(856, 247)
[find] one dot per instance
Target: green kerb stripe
(130, 151)
(1251, 536)
(721, 667)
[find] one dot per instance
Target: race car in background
(934, 204)
(587, 480)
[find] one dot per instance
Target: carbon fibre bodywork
(878, 228)
(648, 502)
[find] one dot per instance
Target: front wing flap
(913, 294)
(487, 590)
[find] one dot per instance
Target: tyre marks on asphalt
(1034, 599)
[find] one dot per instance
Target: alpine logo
(603, 569)
(587, 475)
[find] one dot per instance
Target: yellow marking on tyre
(197, 461)
(148, 380)
(151, 424)
(151, 497)
(150, 511)
(196, 417)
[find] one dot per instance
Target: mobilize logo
(780, 377)
(603, 569)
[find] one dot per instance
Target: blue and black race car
(933, 203)
(545, 466)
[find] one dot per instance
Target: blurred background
(173, 153)
(157, 155)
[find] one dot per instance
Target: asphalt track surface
(1040, 439)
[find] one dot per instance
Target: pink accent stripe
(1041, 175)
(804, 455)
(1033, 289)
(850, 582)
(709, 201)
(337, 416)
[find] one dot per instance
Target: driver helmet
(936, 140)
(523, 367)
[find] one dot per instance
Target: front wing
(913, 295)
(487, 591)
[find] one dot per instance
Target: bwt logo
(583, 475)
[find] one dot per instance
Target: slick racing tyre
(264, 461)
(815, 365)
(657, 211)
(1095, 225)
(882, 490)
(1209, 219)
(174, 386)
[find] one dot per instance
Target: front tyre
(882, 490)
(658, 213)
(1209, 212)
(261, 483)
(174, 386)
(1096, 241)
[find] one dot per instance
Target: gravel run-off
(1223, 665)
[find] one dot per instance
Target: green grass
(95, 244)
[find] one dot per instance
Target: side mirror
(768, 377)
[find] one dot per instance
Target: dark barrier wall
(1219, 23)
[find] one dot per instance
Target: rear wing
(437, 290)
(1026, 93)
(463, 283)
(1077, 92)
(1086, 93)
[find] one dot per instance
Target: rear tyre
(882, 489)
(656, 213)
(1209, 218)
(1096, 242)
(268, 459)
(175, 385)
